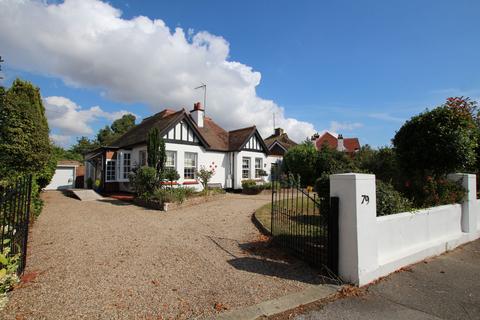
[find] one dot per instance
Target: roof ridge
(251, 127)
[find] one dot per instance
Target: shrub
(330, 161)
(249, 184)
(170, 174)
(301, 160)
(389, 200)
(437, 142)
(435, 191)
(267, 186)
(205, 175)
(382, 162)
(8, 272)
(144, 181)
(177, 195)
(322, 188)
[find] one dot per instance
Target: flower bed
(252, 187)
(168, 206)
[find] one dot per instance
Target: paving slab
(86, 194)
(444, 287)
(272, 307)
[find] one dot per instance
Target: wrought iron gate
(303, 222)
(15, 218)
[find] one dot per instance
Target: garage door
(62, 179)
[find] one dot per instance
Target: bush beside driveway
(111, 259)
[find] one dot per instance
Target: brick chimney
(340, 145)
(278, 131)
(198, 114)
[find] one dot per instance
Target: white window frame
(174, 153)
(257, 170)
(246, 169)
(195, 167)
(125, 173)
(107, 170)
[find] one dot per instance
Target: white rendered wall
(237, 184)
(405, 233)
(478, 214)
(204, 158)
(371, 247)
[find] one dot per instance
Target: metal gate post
(333, 235)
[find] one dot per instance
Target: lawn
(300, 219)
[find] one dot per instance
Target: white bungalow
(192, 141)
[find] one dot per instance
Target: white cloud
(69, 119)
(344, 126)
(386, 117)
(87, 43)
(60, 140)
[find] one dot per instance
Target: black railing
(15, 217)
(304, 223)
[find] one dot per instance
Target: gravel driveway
(113, 260)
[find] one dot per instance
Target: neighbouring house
(192, 140)
(337, 142)
(279, 143)
(68, 174)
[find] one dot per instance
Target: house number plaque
(365, 199)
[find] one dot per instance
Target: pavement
(444, 287)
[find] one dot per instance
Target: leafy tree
(301, 160)
(437, 142)
(24, 138)
(382, 162)
(122, 125)
(83, 146)
(330, 161)
(62, 154)
(107, 135)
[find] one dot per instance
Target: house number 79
(365, 199)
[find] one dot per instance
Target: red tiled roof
(211, 133)
(350, 144)
(215, 135)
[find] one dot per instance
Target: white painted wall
(477, 209)
(204, 158)
(266, 165)
(371, 247)
(402, 234)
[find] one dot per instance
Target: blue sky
(356, 67)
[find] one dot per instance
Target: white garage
(64, 177)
